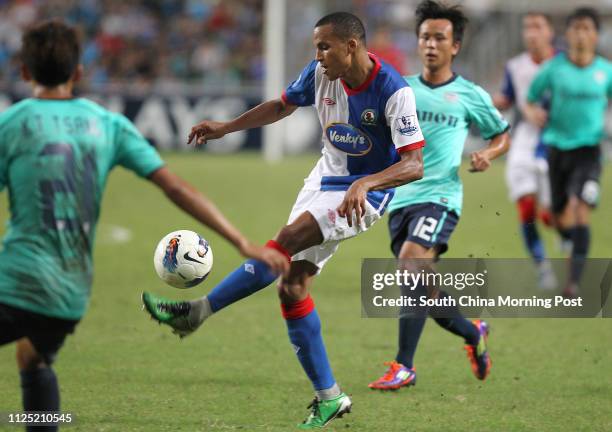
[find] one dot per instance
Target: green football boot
(176, 314)
(322, 412)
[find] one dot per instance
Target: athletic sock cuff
(298, 310)
(273, 244)
(527, 209)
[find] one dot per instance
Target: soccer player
(579, 86)
(55, 156)
(526, 168)
(423, 214)
(371, 143)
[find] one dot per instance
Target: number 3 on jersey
(425, 227)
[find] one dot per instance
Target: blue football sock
(305, 336)
(532, 241)
(247, 279)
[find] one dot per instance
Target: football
(183, 259)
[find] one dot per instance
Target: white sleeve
(401, 115)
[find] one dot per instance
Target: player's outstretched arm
(499, 145)
(261, 115)
(408, 169)
(204, 211)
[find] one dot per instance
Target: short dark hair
(429, 9)
(50, 51)
(345, 25)
(584, 12)
(534, 13)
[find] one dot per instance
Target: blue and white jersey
(364, 129)
(526, 137)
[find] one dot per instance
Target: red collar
(350, 92)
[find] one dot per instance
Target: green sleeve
(483, 113)
(540, 84)
(133, 151)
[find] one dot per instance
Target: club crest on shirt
(369, 117)
(348, 139)
(406, 125)
(329, 101)
(451, 97)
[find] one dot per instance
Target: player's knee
(289, 238)
(411, 251)
(583, 212)
(28, 359)
(527, 209)
(570, 212)
(290, 293)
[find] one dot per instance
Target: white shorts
(529, 177)
(322, 205)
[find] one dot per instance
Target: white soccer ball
(183, 259)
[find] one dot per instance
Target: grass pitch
(122, 372)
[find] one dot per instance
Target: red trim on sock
(527, 209)
(298, 310)
(276, 245)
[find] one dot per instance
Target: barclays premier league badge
(406, 125)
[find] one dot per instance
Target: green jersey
(578, 101)
(445, 113)
(55, 157)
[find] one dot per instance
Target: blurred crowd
(218, 44)
(201, 41)
(211, 43)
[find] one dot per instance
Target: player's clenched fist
(277, 262)
(479, 162)
(206, 130)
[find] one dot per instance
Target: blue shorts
(427, 224)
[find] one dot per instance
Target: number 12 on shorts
(425, 227)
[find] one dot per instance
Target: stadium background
(167, 64)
